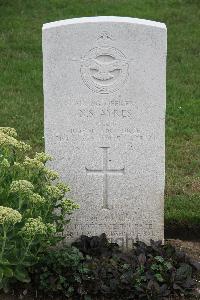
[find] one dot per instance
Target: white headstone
(104, 90)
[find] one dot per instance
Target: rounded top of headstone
(103, 19)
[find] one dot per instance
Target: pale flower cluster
(9, 141)
(34, 227)
(54, 192)
(43, 157)
(33, 163)
(68, 205)
(38, 162)
(21, 186)
(63, 187)
(36, 199)
(9, 216)
(51, 174)
(10, 131)
(5, 164)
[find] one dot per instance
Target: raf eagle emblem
(104, 69)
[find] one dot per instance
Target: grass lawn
(21, 98)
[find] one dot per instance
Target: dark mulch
(187, 232)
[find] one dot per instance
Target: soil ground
(191, 248)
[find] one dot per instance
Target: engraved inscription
(107, 133)
(104, 69)
(105, 172)
(112, 113)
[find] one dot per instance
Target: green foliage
(61, 271)
(32, 209)
(96, 269)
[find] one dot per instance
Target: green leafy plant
(33, 207)
(60, 272)
(99, 270)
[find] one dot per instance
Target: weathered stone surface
(104, 90)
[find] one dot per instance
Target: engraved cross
(105, 172)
